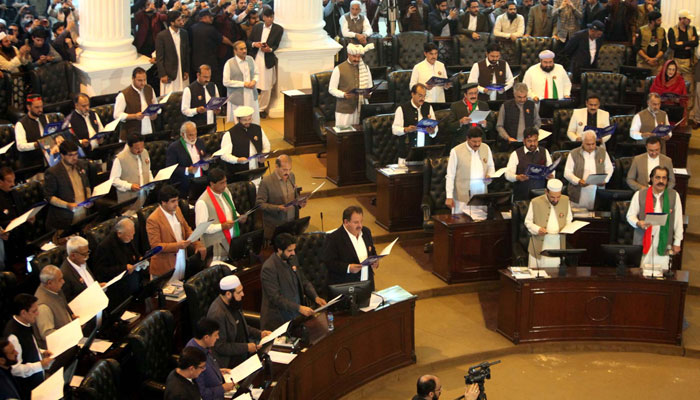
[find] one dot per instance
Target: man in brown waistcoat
(352, 74)
(489, 71)
(589, 159)
(546, 216)
(354, 25)
(130, 103)
(646, 120)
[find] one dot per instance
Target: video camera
(477, 374)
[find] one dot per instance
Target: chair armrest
(153, 389)
(426, 207)
(14, 114)
(252, 319)
(319, 122)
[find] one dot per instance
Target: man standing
(130, 104)
(517, 114)
(461, 110)
(264, 40)
(491, 70)
(185, 152)
(76, 274)
(530, 153)
(406, 119)
(589, 159)
(85, 123)
(547, 80)
(645, 121)
(210, 382)
(28, 130)
(441, 22)
(242, 141)
(428, 68)
(415, 17)
(205, 42)
(509, 27)
(643, 11)
(216, 203)
(355, 26)
(13, 248)
(65, 186)
(472, 22)
(180, 383)
(131, 170)
(583, 48)
(276, 190)
(173, 55)
(546, 216)
(196, 96)
(658, 242)
(643, 164)
(53, 311)
(591, 12)
(285, 289)
(650, 44)
(240, 78)
(567, 14)
(468, 170)
(347, 247)
(591, 116)
(540, 20)
(237, 340)
(352, 74)
(166, 227)
(683, 39)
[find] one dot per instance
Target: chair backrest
(501, 184)
(309, 252)
(53, 81)
(527, 50)
(408, 49)
(621, 144)
(610, 87)
(171, 118)
(151, 343)
(399, 86)
(5, 95)
(434, 172)
(212, 141)
(99, 232)
(157, 150)
(520, 237)
(611, 56)
(142, 217)
(459, 83)
(202, 289)
(243, 196)
(470, 51)
(618, 180)
(320, 98)
(381, 146)
(102, 382)
(54, 256)
(106, 113)
(621, 232)
(560, 125)
(8, 288)
(559, 172)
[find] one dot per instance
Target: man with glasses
(180, 382)
(429, 387)
(75, 270)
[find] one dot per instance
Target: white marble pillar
(305, 48)
(107, 56)
(670, 9)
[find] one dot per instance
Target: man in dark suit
(76, 274)
(332, 11)
(65, 186)
(472, 22)
(443, 22)
(415, 17)
(285, 289)
(173, 62)
(591, 12)
(347, 247)
(84, 123)
(237, 340)
(180, 382)
(578, 48)
(276, 190)
(263, 41)
(206, 39)
(184, 152)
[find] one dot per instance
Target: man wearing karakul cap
(547, 80)
(243, 140)
(352, 74)
(546, 216)
(237, 340)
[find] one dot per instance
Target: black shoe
(263, 114)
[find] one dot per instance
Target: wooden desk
(677, 146)
(361, 348)
(465, 250)
(345, 159)
(591, 237)
(682, 188)
(398, 200)
(592, 304)
(298, 120)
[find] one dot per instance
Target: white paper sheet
(6, 147)
(478, 116)
(281, 357)
(387, 249)
(244, 396)
(51, 388)
(128, 315)
(23, 218)
(374, 302)
(499, 172)
(596, 179)
(281, 330)
(76, 380)
(199, 231)
(89, 302)
(677, 171)
(328, 304)
(111, 126)
(103, 188)
(244, 369)
(97, 345)
(165, 173)
(114, 280)
(656, 219)
(64, 338)
(543, 134)
(573, 227)
(293, 92)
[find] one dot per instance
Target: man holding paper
(546, 216)
(13, 243)
(211, 382)
(547, 80)
(276, 190)
(216, 202)
(468, 170)
(587, 167)
(85, 123)
(519, 161)
(424, 71)
(131, 170)
(462, 110)
(352, 74)
(186, 151)
(658, 241)
(53, 311)
(243, 141)
(197, 95)
(591, 116)
(643, 164)
(66, 185)
(130, 104)
(406, 120)
(492, 71)
(166, 227)
(76, 274)
(347, 247)
(517, 114)
(645, 121)
(29, 130)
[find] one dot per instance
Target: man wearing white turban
(546, 216)
(547, 80)
(347, 76)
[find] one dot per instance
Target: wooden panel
(682, 188)
(677, 146)
(398, 201)
(298, 120)
(591, 237)
(345, 162)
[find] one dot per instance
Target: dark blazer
(577, 48)
(205, 40)
(279, 291)
(339, 252)
(57, 183)
(482, 24)
(179, 388)
(436, 23)
(273, 40)
(415, 22)
(147, 25)
(590, 15)
(227, 352)
(166, 54)
(176, 154)
(74, 284)
(110, 259)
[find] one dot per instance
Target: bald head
(428, 387)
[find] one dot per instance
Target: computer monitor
(356, 294)
(296, 227)
(246, 246)
(604, 198)
(417, 155)
(496, 202)
(623, 256)
(635, 72)
(247, 175)
(547, 106)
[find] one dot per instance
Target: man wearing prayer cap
(347, 76)
(547, 80)
(237, 340)
(10, 57)
(589, 159)
(546, 216)
(173, 55)
(244, 140)
(583, 48)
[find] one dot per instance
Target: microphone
(323, 230)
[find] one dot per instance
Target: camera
(478, 374)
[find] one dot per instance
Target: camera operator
(429, 387)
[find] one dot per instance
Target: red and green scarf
(663, 231)
(221, 215)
